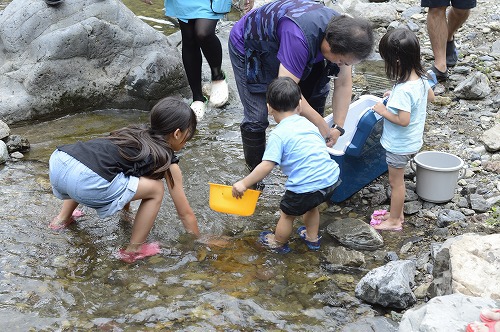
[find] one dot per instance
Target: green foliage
(494, 219)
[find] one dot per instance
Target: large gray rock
(468, 264)
(372, 324)
(81, 55)
(475, 86)
(389, 285)
(445, 313)
(4, 153)
(4, 130)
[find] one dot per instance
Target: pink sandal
(486, 311)
(377, 213)
(145, 250)
(472, 327)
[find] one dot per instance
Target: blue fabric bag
(221, 6)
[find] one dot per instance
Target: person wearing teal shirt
(197, 21)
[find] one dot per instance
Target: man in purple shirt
(307, 42)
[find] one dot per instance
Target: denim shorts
(294, 204)
(398, 160)
(70, 179)
(459, 4)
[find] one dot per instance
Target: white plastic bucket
(437, 175)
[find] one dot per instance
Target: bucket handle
(461, 173)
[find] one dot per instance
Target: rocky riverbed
(464, 121)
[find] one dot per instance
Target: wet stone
(355, 234)
(135, 286)
(478, 203)
(265, 273)
(446, 217)
(412, 207)
(344, 281)
(343, 256)
(391, 256)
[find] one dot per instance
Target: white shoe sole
(199, 109)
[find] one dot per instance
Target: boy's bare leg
(438, 33)
(126, 215)
(284, 228)
(311, 221)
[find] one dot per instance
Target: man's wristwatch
(339, 128)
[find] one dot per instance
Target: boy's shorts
(294, 204)
(459, 4)
(397, 160)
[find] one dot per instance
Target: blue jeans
(315, 89)
(255, 116)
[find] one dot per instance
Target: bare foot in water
(58, 223)
(136, 252)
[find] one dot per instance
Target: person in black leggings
(198, 35)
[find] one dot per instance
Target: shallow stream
(52, 280)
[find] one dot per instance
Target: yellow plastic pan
(222, 200)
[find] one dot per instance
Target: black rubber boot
(254, 144)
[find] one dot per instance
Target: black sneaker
(440, 76)
(451, 53)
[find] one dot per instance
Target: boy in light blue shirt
(297, 146)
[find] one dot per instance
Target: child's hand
(248, 6)
(238, 189)
(379, 108)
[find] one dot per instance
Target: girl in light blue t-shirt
(404, 117)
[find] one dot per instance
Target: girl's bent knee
(159, 188)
